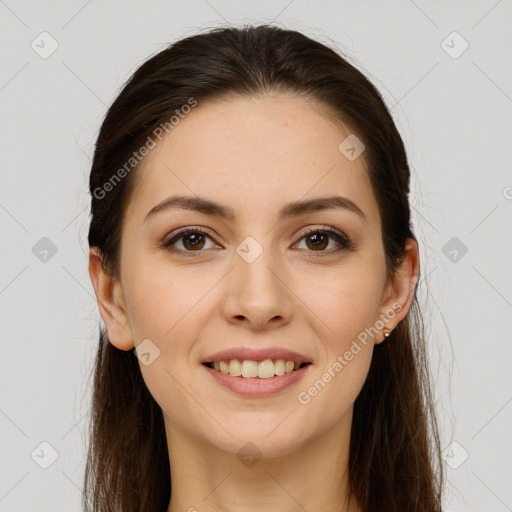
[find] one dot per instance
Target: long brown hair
(395, 456)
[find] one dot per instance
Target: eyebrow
(213, 209)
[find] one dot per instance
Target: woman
(256, 272)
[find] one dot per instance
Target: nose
(257, 294)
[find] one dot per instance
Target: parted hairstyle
(395, 456)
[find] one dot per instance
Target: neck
(313, 477)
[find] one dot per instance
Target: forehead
(254, 154)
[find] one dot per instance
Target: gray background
(453, 110)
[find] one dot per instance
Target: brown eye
(193, 240)
(318, 241)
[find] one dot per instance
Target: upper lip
(256, 354)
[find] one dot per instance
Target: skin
(253, 155)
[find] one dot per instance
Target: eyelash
(345, 242)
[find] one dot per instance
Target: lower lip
(254, 386)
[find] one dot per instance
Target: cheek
(329, 398)
(162, 300)
(346, 301)
(345, 312)
(172, 310)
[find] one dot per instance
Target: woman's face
(255, 279)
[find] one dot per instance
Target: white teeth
(279, 367)
(266, 369)
(248, 368)
(235, 368)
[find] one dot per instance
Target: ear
(111, 302)
(399, 292)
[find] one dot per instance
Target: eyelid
(188, 229)
(325, 228)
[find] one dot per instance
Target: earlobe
(109, 295)
(400, 289)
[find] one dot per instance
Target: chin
(263, 438)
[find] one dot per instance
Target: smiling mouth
(253, 369)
